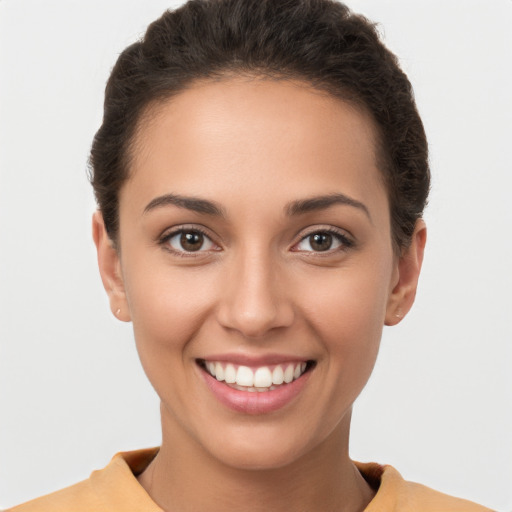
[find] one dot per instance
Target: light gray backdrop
(438, 406)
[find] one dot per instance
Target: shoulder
(114, 488)
(78, 497)
(425, 499)
(394, 494)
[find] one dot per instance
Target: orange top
(115, 488)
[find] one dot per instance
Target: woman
(261, 173)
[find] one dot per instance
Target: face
(256, 264)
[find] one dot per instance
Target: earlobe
(408, 272)
(110, 268)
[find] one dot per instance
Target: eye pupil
(321, 241)
(192, 240)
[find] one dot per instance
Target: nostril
(254, 318)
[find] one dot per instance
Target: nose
(255, 297)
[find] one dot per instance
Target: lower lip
(255, 402)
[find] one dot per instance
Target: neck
(183, 477)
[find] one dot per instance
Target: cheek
(168, 306)
(352, 300)
(348, 314)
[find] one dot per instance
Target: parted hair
(319, 42)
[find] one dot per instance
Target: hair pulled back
(320, 42)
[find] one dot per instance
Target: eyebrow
(323, 202)
(298, 207)
(190, 203)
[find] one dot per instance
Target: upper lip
(255, 360)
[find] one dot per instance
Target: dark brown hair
(320, 42)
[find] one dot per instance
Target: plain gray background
(438, 406)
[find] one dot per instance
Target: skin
(254, 147)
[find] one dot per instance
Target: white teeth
(244, 376)
(288, 374)
(260, 379)
(219, 372)
(277, 375)
(263, 377)
(230, 374)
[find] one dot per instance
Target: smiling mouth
(261, 378)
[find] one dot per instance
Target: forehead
(254, 133)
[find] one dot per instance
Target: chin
(257, 458)
(264, 447)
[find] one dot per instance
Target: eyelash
(344, 241)
(167, 237)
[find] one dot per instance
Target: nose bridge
(253, 302)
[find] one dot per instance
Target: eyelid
(346, 240)
(169, 233)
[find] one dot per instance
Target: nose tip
(254, 303)
(256, 320)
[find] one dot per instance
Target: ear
(407, 274)
(110, 269)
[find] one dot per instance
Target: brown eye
(190, 241)
(320, 241)
(323, 241)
